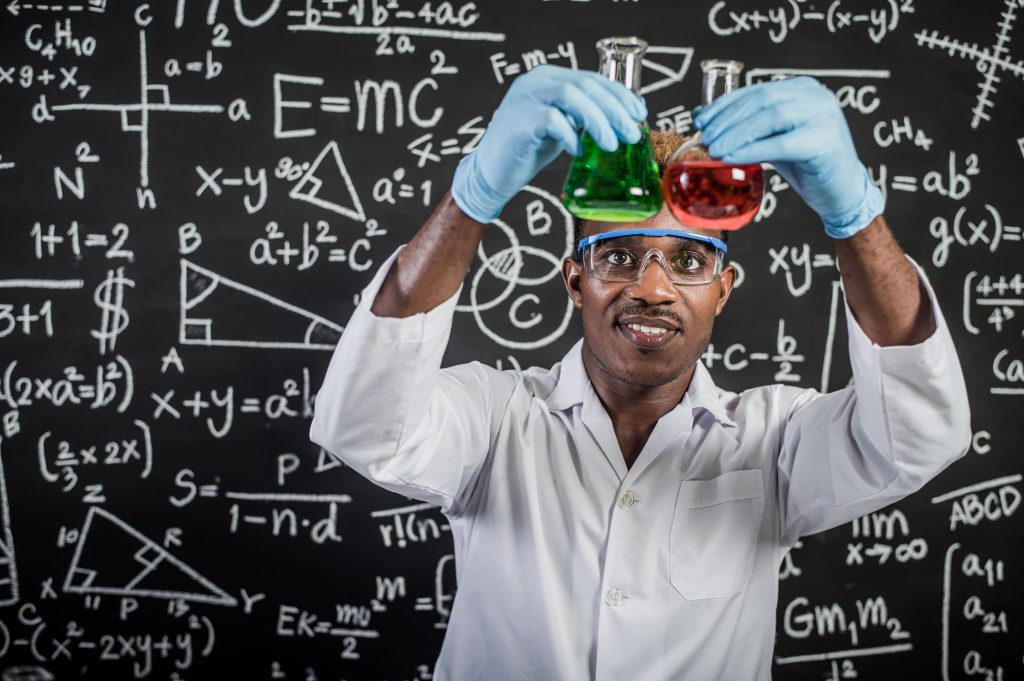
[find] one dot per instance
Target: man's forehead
(591, 228)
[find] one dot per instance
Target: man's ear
(725, 282)
(572, 275)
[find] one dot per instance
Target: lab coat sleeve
(850, 452)
(388, 410)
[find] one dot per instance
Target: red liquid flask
(701, 191)
(713, 194)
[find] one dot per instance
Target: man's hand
(798, 127)
(542, 114)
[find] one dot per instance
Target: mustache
(653, 312)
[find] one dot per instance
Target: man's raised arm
(798, 126)
(386, 407)
(533, 124)
(906, 417)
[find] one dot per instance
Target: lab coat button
(613, 596)
(627, 500)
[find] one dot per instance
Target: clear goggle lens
(620, 259)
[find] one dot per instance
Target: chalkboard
(193, 194)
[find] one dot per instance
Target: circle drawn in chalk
(506, 265)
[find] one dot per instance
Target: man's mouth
(647, 336)
(648, 330)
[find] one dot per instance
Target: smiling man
(642, 341)
(618, 516)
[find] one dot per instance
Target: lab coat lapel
(574, 388)
(670, 434)
(595, 418)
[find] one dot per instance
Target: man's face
(607, 308)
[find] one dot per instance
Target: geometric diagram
(503, 311)
(246, 317)
(672, 74)
(122, 561)
(989, 60)
(309, 187)
(9, 580)
(140, 110)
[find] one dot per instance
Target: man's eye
(688, 261)
(619, 257)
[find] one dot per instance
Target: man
(618, 516)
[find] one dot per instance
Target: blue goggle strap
(649, 231)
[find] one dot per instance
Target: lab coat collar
(573, 383)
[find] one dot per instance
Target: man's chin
(650, 377)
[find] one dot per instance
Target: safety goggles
(619, 256)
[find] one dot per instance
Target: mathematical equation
(196, 194)
(783, 19)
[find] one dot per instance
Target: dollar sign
(109, 297)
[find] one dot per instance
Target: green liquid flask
(623, 185)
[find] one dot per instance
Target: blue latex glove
(798, 127)
(542, 114)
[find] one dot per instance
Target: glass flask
(623, 185)
(703, 192)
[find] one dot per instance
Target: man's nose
(653, 284)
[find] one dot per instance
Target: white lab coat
(569, 566)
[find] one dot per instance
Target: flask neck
(721, 76)
(620, 60)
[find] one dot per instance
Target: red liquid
(713, 194)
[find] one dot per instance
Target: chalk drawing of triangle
(326, 462)
(672, 66)
(112, 557)
(8, 571)
(320, 185)
(217, 311)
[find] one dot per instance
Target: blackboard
(193, 194)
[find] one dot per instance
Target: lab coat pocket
(714, 534)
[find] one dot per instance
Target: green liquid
(621, 186)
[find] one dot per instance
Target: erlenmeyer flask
(702, 192)
(623, 185)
